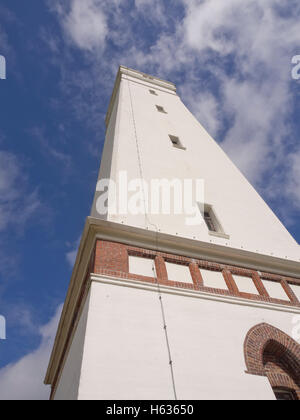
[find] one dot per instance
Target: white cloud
(23, 380)
(84, 22)
(234, 62)
(153, 10)
(205, 108)
(254, 96)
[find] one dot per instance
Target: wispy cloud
(231, 61)
(23, 380)
(83, 22)
(255, 92)
(18, 203)
(154, 11)
(49, 149)
(71, 255)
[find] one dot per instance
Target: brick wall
(111, 259)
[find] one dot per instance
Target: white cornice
(196, 294)
(193, 248)
(101, 229)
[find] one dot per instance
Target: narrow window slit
(161, 109)
(176, 142)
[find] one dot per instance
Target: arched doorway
(272, 353)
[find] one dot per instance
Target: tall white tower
(161, 307)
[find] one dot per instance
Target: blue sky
(232, 64)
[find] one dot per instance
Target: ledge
(100, 278)
(219, 235)
(192, 248)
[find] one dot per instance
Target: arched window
(285, 394)
(272, 353)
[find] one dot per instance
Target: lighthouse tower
(186, 285)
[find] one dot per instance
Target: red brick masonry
(270, 352)
(111, 259)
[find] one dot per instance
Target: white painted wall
(296, 290)
(141, 266)
(179, 273)
(245, 284)
(213, 279)
(125, 354)
(242, 212)
(68, 384)
(275, 290)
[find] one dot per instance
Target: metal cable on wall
(148, 222)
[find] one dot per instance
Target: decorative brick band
(272, 353)
(111, 258)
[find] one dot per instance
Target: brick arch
(272, 353)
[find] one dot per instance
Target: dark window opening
(161, 109)
(210, 222)
(176, 142)
(285, 394)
